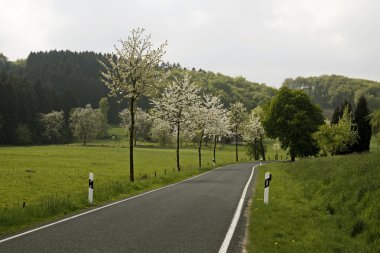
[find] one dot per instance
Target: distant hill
(231, 89)
(330, 91)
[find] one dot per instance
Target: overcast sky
(265, 41)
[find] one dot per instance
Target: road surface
(192, 216)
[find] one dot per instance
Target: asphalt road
(192, 216)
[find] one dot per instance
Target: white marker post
(91, 188)
(268, 178)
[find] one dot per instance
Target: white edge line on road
(102, 207)
(235, 219)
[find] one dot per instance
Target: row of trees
(133, 72)
(290, 116)
(84, 122)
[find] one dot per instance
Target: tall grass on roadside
(328, 204)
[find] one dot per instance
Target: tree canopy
(293, 118)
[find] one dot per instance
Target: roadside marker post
(268, 178)
(91, 188)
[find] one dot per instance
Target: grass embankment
(52, 181)
(329, 204)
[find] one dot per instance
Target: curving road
(191, 216)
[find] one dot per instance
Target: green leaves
(291, 117)
(337, 138)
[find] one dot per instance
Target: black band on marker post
(266, 182)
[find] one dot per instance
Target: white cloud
(26, 26)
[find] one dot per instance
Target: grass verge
(328, 204)
(16, 218)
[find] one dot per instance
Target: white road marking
(99, 208)
(235, 219)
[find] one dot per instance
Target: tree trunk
(178, 128)
(292, 155)
(262, 149)
(131, 138)
(84, 135)
(236, 145)
(214, 160)
(200, 150)
(255, 149)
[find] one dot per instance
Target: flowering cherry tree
(131, 72)
(143, 122)
(237, 116)
(207, 121)
(86, 122)
(52, 123)
(254, 133)
(218, 126)
(161, 131)
(174, 105)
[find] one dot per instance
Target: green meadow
(30, 173)
(327, 204)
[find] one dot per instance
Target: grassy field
(328, 204)
(47, 182)
(40, 183)
(29, 173)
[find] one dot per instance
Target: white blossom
(143, 122)
(52, 123)
(86, 122)
(175, 104)
(161, 131)
(253, 129)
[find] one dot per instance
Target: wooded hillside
(62, 80)
(330, 91)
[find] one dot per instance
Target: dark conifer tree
(8, 111)
(363, 124)
(335, 116)
(26, 105)
(42, 98)
(68, 102)
(343, 106)
(338, 112)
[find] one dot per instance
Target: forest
(330, 91)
